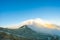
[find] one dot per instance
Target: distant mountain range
(31, 30)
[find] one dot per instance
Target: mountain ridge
(39, 25)
(24, 32)
(32, 30)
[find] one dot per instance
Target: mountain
(31, 30)
(24, 33)
(40, 25)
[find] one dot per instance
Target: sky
(16, 11)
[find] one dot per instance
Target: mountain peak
(40, 25)
(38, 22)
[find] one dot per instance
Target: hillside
(24, 33)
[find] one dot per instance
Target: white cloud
(40, 25)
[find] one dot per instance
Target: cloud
(40, 25)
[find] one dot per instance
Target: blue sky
(16, 11)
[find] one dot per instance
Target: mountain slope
(40, 25)
(24, 32)
(32, 30)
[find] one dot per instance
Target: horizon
(13, 12)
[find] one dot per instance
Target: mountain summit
(40, 25)
(33, 29)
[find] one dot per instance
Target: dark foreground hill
(24, 33)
